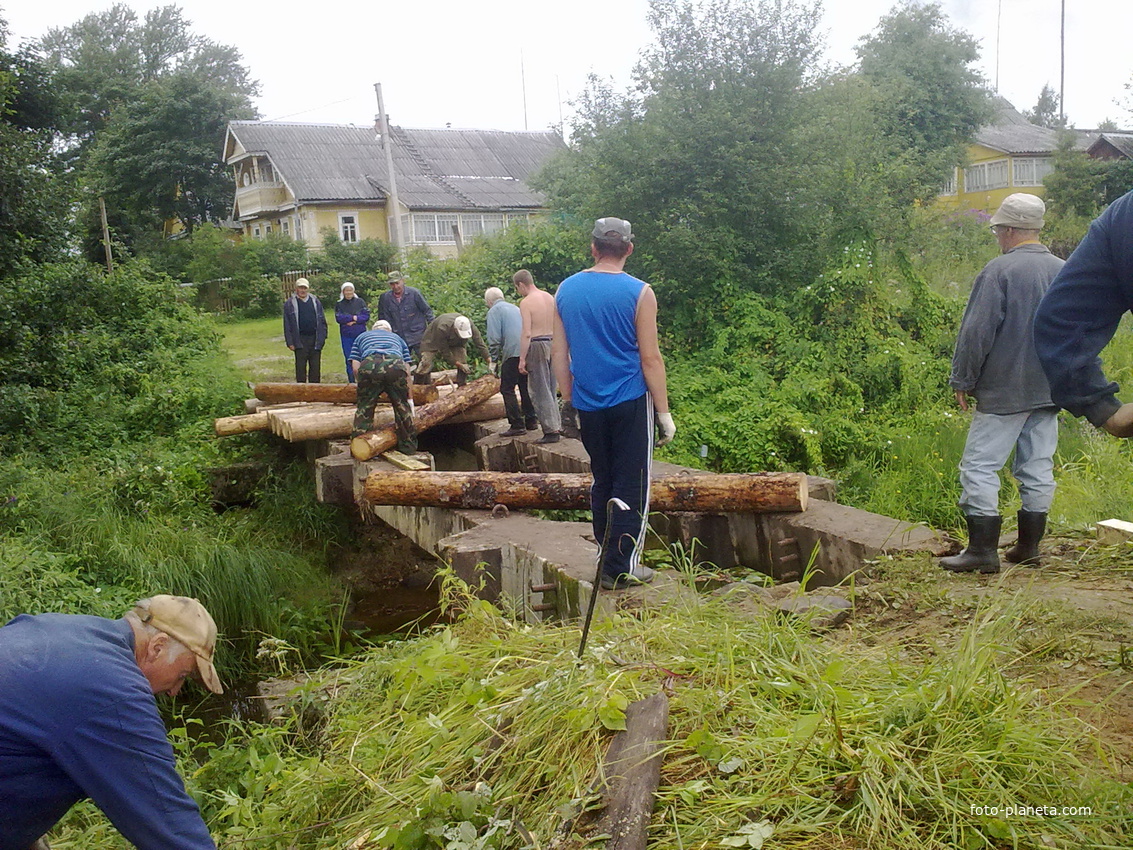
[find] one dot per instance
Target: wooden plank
(406, 462)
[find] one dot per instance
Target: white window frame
(1030, 170)
(985, 176)
(949, 187)
(285, 226)
(348, 230)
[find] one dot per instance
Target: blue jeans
(1033, 434)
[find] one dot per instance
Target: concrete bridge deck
(544, 569)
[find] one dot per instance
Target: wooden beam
(381, 440)
(706, 492)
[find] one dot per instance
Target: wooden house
(452, 185)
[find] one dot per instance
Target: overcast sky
(516, 64)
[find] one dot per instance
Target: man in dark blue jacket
(305, 331)
(78, 719)
(406, 310)
(1080, 314)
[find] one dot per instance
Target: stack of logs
(298, 412)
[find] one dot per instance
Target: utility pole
(393, 206)
(1062, 72)
(106, 236)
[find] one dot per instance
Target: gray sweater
(995, 358)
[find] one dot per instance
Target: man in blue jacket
(406, 310)
(1080, 314)
(305, 331)
(996, 365)
(78, 719)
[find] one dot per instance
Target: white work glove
(667, 427)
(412, 408)
(491, 367)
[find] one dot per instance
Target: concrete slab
(334, 479)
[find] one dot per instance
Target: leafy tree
(33, 200)
(157, 158)
(103, 60)
(702, 157)
(1047, 112)
(933, 97)
(144, 107)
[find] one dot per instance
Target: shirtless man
(538, 311)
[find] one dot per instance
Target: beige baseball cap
(185, 619)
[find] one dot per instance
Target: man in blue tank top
(608, 365)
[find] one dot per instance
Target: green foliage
(1047, 111)
(456, 738)
(933, 97)
(103, 358)
(156, 159)
(550, 250)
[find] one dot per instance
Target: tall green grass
(485, 725)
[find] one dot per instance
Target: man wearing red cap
(78, 719)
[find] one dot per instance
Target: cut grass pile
(488, 733)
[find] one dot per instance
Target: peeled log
(275, 393)
(461, 399)
(229, 426)
(759, 492)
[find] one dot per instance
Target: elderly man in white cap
(78, 719)
(305, 331)
(996, 365)
(447, 338)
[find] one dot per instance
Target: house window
(286, 225)
(949, 187)
(985, 176)
(434, 227)
(516, 218)
(267, 229)
(1031, 170)
(256, 231)
(348, 227)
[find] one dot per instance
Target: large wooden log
(461, 399)
(275, 392)
(708, 492)
(228, 426)
(633, 772)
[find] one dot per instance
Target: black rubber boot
(1032, 527)
(983, 542)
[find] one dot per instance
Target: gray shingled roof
(1011, 133)
(436, 169)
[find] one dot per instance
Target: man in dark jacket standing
(305, 331)
(996, 364)
(406, 310)
(1080, 314)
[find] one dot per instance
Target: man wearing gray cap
(995, 364)
(608, 364)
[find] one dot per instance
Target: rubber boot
(983, 543)
(1032, 527)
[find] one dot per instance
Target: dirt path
(1072, 632)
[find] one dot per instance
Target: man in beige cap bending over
(79, 719)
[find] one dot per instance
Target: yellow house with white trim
(452, 185)
(1010, 155)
